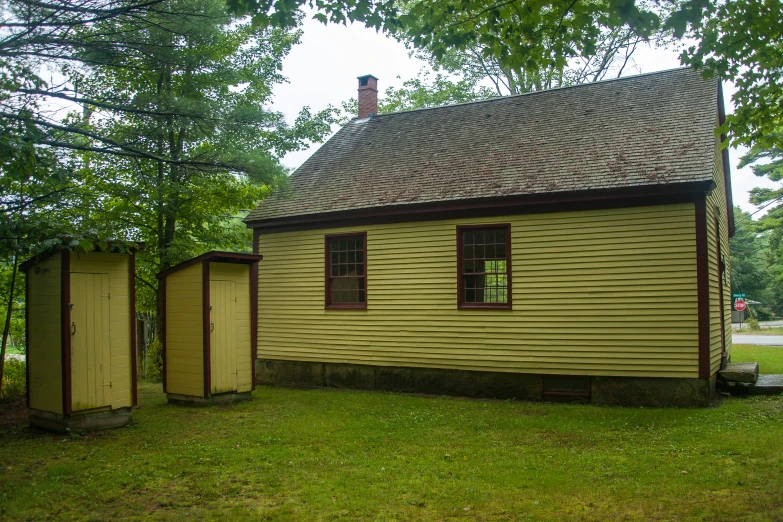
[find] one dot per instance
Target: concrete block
(439, 381)
(652, 391)
(502, 385)
(391, 378)
(740, 372)
(91, 421)
(290, 373)
(221, 398)
(352, 376)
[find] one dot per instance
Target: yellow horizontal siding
(605, 292)
(44, 344)
(716, 204)
(184, 332)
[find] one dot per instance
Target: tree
(423, 92)
(188, 99)
(748, 264)
(610, 52)
(742, 41)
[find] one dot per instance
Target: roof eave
(213, 256)
(520, 204)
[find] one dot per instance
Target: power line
(765, 206)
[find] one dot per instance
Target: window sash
(484, 282)
(345, 270)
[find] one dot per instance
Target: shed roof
(214, 256)
(111, 248)
(639, 131)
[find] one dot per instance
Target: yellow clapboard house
(209, 327)
(81, 339)
(570, 242)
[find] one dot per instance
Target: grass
(770, 358)
(340, 455)
(772, 330)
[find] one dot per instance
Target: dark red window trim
(328, 275)
(461, 304)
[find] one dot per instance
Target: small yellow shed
(209, 328)
(81, 339)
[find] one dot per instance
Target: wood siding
(117, 266)
(184, 333)
(716, 205)
(240, 276)
(44, 345)
(603, 292)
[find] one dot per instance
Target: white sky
(322, 70)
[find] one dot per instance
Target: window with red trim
(346, 271)
(484, 266)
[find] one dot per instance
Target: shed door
(90, 341)
(223, 335)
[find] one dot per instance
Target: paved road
(765, 340)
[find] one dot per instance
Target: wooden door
(90, 342)
(223, 336)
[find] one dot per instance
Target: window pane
(484, 252)
(347, 270)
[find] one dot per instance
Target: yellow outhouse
(209, 328)
(81, 339)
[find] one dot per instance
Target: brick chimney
(368, 96)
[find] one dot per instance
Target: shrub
(14, 380)
(154, 371)
(753, 324)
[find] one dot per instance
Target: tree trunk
(7, 326)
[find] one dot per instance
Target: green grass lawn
(770, 358)
(774, 330)
(338, 455)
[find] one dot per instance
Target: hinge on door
(109, 385)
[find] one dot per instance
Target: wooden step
(740, 372)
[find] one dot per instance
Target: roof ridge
(531, 93)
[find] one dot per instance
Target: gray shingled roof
(641, 130)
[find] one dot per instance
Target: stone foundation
(90, 421)
(618, 391)
(222, 398)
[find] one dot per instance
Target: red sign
(739, 305)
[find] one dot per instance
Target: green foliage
(740, 41)
(154, 363)
(753, 324)
(423, 92)
(610, 52)
(748, 262)
(14, 381)
(16, 337)
(768, 357)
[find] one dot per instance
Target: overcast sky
(322, 70)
